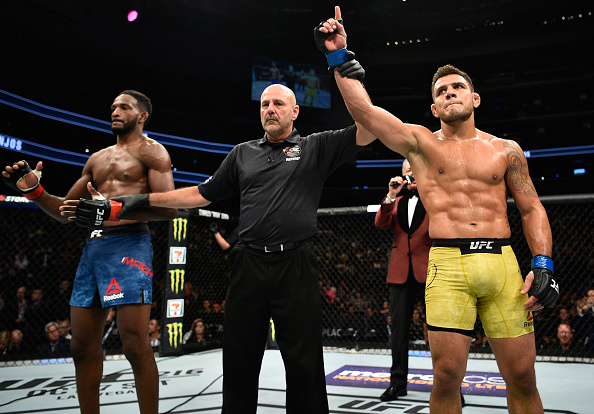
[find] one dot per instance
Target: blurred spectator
(37, 315)
(4, 342)
(351, 322)
(54, 343)
(154, 330)
(216, 320)
(198, 338)
(17, 346)
(65, 332)
(583, 322)
(17, 308)
(206, 309)
(21, 265)
(418, 329)
(372, 324)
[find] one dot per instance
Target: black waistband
(110, 231)
(468, 246)
(275, 248)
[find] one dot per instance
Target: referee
(274, 270)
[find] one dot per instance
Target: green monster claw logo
(177, 280)
(180, 226)
(272, 330)
(175, 334)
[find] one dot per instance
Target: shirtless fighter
(463, 176)
(134, 165)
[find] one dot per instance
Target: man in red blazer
(405, 215)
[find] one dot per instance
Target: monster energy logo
(272, 330)
(175, 333)
(177, 279)
(180, 226)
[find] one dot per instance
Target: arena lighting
(132, 15)
(73, 158)
(579, 171)
(72, 118)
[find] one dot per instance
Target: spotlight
(132, 15)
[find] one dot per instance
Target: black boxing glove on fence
(31, 193)
(214, 228)
(92, 213)
(131, 202)
(544, 287)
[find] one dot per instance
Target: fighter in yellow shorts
(466, 275)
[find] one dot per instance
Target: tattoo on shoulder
(517, 169)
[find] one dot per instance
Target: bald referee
(274, 270)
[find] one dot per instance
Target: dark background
(530, 61)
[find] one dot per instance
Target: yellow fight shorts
(466, 276)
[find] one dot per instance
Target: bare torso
(126, 168)
(462, 185)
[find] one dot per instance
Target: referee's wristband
(542, 261)
(338, 57)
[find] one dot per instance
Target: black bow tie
(412, 193)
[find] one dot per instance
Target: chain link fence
(39, 257)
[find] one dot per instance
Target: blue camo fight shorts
(117, 266)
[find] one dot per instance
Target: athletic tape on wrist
(116, 207)
(337, 57)
(35, 193)
(542, 261)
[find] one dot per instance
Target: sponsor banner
(175, 308)
(177, 255)
(173, 305)
(474, 382)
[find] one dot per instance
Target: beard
(275, 128)
(124, 127)
(456, 116)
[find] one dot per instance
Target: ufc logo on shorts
(481, 245)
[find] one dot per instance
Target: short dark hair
(143, 101)
(449, 70)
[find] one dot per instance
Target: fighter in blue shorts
(116, 266)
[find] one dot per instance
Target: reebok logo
(113, 291)
(529, 320)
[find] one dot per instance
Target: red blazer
(414, 240)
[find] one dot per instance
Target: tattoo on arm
(517, 169)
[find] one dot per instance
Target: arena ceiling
(194, 59)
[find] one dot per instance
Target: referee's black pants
(402, 303)
(283, 286)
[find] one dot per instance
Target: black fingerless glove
(92, 213)
(342, 60)
(544, 287)
(17, 175)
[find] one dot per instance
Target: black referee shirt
(280, 185)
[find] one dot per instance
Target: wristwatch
(389, 200)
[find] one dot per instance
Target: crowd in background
(38, 261)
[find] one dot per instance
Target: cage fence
(39, 258)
